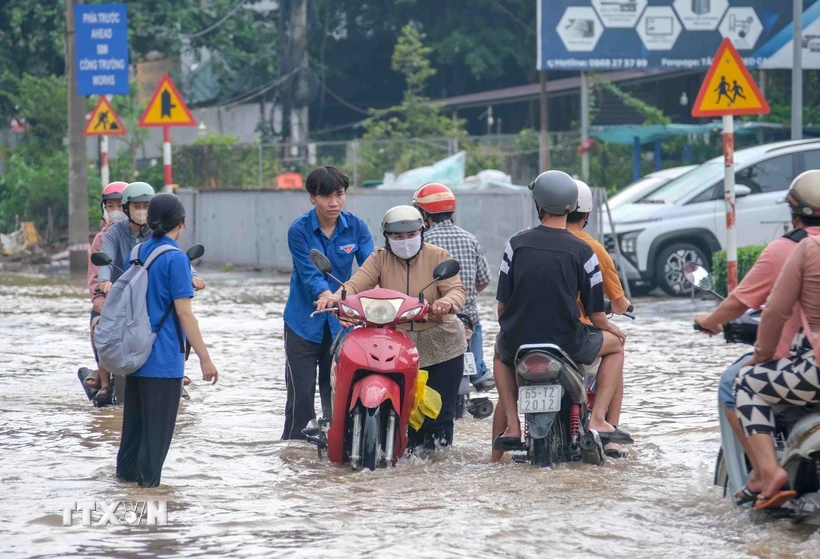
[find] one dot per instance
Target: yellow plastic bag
(427, 401)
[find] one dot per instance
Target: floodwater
(234, 490)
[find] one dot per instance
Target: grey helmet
(555, 192)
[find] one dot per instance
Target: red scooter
(373, 376)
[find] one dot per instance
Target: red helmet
(114, 190)
(435, 198)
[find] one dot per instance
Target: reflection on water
(234, 490)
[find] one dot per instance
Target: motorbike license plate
(470, 368)
(540, 399)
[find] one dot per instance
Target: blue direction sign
(101, 63)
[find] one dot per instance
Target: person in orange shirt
(576, 221)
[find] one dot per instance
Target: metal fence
(216, 165)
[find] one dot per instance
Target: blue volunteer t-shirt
(169, 279)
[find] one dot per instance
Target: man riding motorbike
(111, 207)
(752, 293)
(543, 271)
(576, 222)
(406, 264)
(793, 380)
(437, 206)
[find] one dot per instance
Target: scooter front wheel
(371, 438)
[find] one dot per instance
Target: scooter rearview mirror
(196, 252)
(697, 276)
(321, 261)
(100, 259)
(445, 270)
(323, 264)
(700, 278)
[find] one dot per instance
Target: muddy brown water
(234, 490)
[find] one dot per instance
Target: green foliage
(28, 191)
(42, 101)
(220, 161)
(746, 258)
(414, 118)
(651, 114)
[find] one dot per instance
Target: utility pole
(77, 167)
(797, 72)
(584, 126)
(545, 137)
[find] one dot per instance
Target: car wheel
(669, 267)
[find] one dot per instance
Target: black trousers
(302, 359)
(445, 378)
(148, 420)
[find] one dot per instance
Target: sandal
(745, 495)
(186, 381)
(775, 501)
(103, 396)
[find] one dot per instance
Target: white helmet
(584, 197)
(402, 219)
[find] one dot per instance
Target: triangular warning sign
(728, 88)
(166, 107)
(104, 120)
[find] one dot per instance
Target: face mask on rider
(405, 248)
(140, 217)
(114, 217)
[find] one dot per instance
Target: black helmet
(555, 192)
(165, 212)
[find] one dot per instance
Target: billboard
(602, 35)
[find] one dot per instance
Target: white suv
(685, 220)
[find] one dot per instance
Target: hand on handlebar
(326, 302)
(440, 307)
(703, 324)
(105, 287)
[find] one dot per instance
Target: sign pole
(797, 72)
(729, 194)
(166, 157)
(104, 171)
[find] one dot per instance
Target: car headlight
(411, 314)
(349, 312)
(629, 243)
(380, 311)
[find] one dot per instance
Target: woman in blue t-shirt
(342, 237)
(152, 393)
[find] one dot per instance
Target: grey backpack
(123, 336)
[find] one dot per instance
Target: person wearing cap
(152, 392)
(343, 238)
(544, 271)
(437, 205)
(752, 293)
(406, 264)
(111, 207)
(792, 381)
(613, 290)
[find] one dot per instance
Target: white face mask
(114, 217)
(406, 248)
(140, 217)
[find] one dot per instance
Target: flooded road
(234, 490)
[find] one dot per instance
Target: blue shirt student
(351, 239)
(169, 278)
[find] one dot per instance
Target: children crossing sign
(728, 88)
(104, 121)
(166, 107)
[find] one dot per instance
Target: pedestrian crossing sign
(104, 120)
(728, 88)
(166, 107)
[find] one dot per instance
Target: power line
(225, 18)
(350, 106)
(243, 97)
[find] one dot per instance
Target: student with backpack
(153, 390)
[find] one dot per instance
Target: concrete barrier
(249, 227)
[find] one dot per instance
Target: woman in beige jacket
(406, 264)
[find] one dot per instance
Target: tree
(415, 117)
